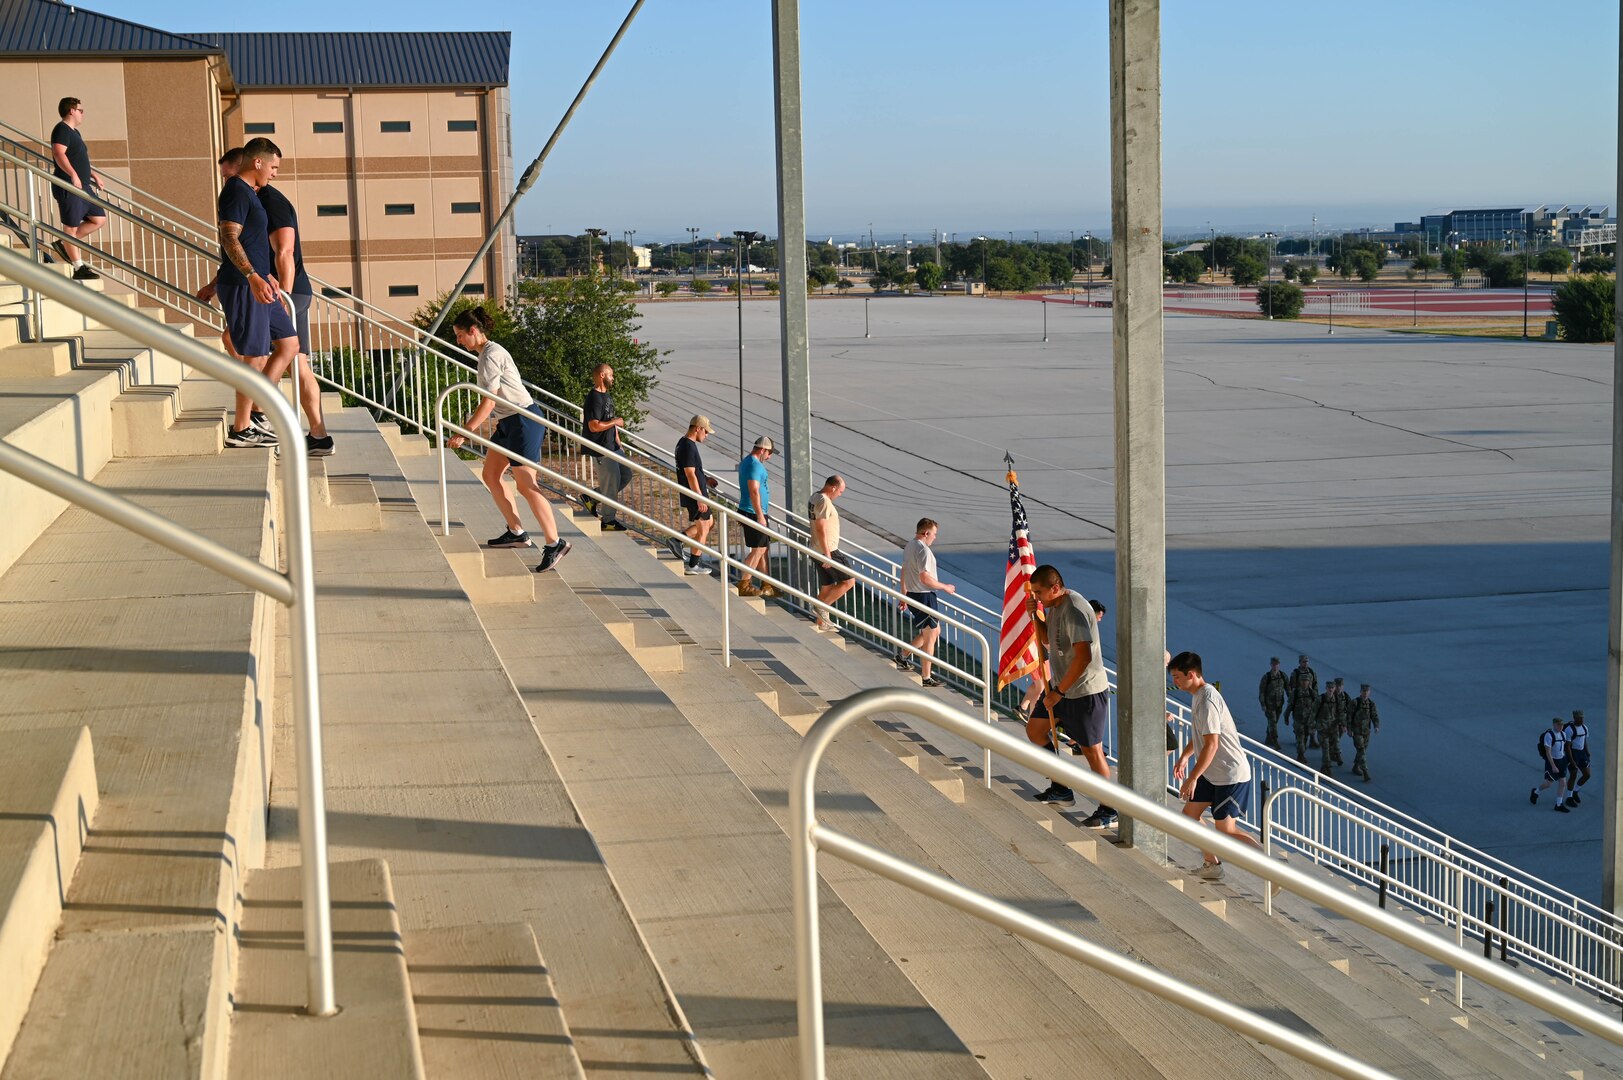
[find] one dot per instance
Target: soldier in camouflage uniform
(1362, 718)
(1271, 696)
(1303, 687)
(1331, 722)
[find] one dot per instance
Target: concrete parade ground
(1426, 514)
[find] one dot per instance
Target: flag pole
(1012, 478)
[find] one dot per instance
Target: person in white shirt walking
(1220, 778)
(920, 584)
(1552, 747)
(1577, 756)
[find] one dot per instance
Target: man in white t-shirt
(1220, 778)
(1552, 747)
(920, 584)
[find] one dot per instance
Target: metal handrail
(726, 513)
(807, 836)
(296, 590)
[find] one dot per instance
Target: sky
(977, 117)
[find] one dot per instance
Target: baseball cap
(764, 443)
(700, 422)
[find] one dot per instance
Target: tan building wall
(394, 192)
(150, 122)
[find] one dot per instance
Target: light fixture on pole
(592, 234)
(743, 238)
(693, 230)
(630, 254)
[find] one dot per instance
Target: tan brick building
(397, 146)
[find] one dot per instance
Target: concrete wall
(150, 122)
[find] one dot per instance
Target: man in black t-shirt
(287, 257)
(261, 329)
(80, 217)
(691, 475)
(602, 427)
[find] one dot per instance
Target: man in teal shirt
(754, 499)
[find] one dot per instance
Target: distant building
(1536, 226)
(397, 146)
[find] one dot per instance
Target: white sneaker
(1212, 871)
(698, 569)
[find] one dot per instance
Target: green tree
(772, 287)
(1247, 269)
(1553, 261)
(1288, 271)
(701, 285)
(666, 288)
(1478, 256)
(1586, 308)
(1364, 264)
(735, 285)
(1502, 272)
(1187, 268)
(1006, 275)
(879, 279)
(1596, 264)
(930, 276)
(1455, 262)
(844, 283)
(822, 275)
(1281, 299)
(1425, 264)
(1308, 274)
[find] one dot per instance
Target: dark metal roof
(46, 26)
(339, 60)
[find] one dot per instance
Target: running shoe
(314, 447)
(1212, 871)
(84, 273)
(932, 681)
(611, 526)
(511, 539)
(1102, 818)
(551, 554)
(249, 438)
(698, 569)
(677, 550)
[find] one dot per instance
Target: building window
(396, 127)
(259, 129)
(464, 208)
(402, 290)
(332, 293)
(328, 127)
(332, 210)
(399, 209)
(462, 125)
(474, 288)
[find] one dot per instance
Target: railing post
(726, 615)
(1267, 844)
(34, 303)
(1459, 934)
(439, 451)
(1487, 934)
(1504, 914)
(1386, 856)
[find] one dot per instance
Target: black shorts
(1578, 759)
(1226, 800)
(519, 434)
(923, 620)
(1084, 718)
(754, 538)
(1558, 770)
(694, 513)
(833, 575)
(73, 208)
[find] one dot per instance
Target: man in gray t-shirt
(1078, 699)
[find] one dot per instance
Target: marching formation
(1318, 720)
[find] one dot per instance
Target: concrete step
(38, 360)
(434, 764)
(48, 801)
(171, 666)
(374, 1033)
(148, 422)
(473, 981)
(342, 502)
(487, 575)
(402, 444)
(1015, 827)
(11, 328)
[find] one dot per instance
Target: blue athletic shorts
(1561, 768)
(253, 326)
(519, 434)
(923, 620)
(1226, 800)
(1084, 718)
(74, 209)
(1578, 759)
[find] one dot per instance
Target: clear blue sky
(982, 116)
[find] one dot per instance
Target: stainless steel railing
(295, 589)
(808, 836)
(720, 551)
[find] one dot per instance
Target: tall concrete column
(1140, 385)
(1612, 855)
(792, 259)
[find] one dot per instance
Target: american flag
(1017, 644)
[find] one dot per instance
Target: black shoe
(1560, 809)
(511, 539)
(1102, 818)
(257, 419)
(611, 526)
(932, 681)
(61, 249)
(903, 662)
(588, 504)
(314, 447)
(84, 273)
(1573, 799)
(678, 550)
(551, 554)
(1057, 796)
(249, 437)
(1532, 796)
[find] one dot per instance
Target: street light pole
(742, 241)
(693, 230)
(630, 234)
(592, 234)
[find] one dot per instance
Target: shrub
(1286, 300)
(1307, 275)
(1586, 308)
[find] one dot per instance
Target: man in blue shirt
(287, 256)
(754, 499)
(261, 329)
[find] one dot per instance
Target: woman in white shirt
(516, 432)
